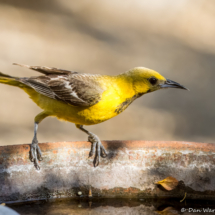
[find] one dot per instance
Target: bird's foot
(98, 147)
(35, 154)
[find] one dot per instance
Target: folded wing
(70, 87)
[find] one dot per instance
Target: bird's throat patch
(120, 108)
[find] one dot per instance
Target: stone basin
(130, 170)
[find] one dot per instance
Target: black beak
(172, 84)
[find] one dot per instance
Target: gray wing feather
(39, 87)
(46, 70)
(74, 89)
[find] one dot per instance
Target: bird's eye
(153, 81)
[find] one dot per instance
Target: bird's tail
(10, 80)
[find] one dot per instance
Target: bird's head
(147, 80)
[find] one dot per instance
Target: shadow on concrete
(113, 148)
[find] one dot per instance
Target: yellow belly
(108, 107)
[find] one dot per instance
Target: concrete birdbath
(130, 171)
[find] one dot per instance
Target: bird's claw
(98, 147)
(35, 154)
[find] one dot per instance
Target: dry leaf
(168, 183)
(168, 211)
(2, 204)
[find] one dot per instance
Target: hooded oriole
(85, 99)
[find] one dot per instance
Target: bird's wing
(75, 89)
(46, 70)
(78, 89)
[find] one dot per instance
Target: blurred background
(175, 38)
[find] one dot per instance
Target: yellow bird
(85, 99)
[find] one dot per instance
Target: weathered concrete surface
(130, 170)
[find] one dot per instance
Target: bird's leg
(96, 146)
(35, 152)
